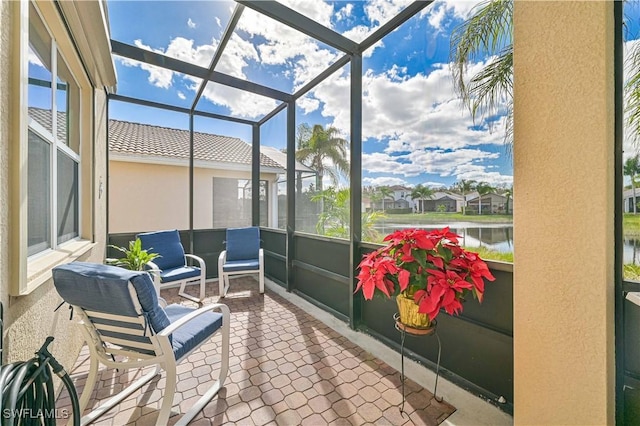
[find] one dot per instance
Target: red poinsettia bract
(429, 266)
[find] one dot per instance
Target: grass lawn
(440, 218)
(631, 225)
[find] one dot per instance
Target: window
(232, 202)
(53, 149)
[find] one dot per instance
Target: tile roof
(43, 117)
(155, 141)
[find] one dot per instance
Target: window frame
(29, 272)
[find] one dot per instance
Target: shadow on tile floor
(285, 368)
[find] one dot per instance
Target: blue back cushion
(167, 244)
(243, 243)
(104, 288)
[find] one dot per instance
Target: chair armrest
(224, 309)
(197, 259)
(155, 274)
(201, 264)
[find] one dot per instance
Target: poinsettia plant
(429, 266)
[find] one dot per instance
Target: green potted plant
(425, 271)
(135, 258)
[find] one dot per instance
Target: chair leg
(183, 284)
(119, 397)
(227, 284)
(89, 384)
(221, 285)
(202, 287)
(169, 392)
(261, 280)
(184, 294)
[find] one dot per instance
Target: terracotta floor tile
(285, 368)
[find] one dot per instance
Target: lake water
(495, 236)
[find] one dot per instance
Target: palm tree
(487, 33)
(334, 220)
(632, 93)
(373, 194)
(421, 192)
(385, 192)
(324, 151)
(465, 186)
(483, 188)
(631, 169)
(508, 193)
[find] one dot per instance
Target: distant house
(443, 201)
(399, 200)
(492, 203)
(628, 200)
(149, 180)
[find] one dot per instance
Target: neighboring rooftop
(154, 141)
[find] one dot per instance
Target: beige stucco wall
(563, 235)
(150, 197)
(29, 319)
(147, 197)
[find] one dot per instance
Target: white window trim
(29, 272)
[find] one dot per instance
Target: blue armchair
(125, 327)
(172, 263)
(243, 255)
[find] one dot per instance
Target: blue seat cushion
(243, 243)
(181, 273)
(241, 265)
(105, 288)
(167, 244)
(194, 332)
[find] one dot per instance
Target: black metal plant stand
(404, 331)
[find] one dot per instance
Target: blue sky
(415, 130)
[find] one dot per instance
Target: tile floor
(286, 368)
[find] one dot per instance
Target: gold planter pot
(410, 320)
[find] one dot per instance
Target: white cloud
(443, 163)
(479, 174)
(384, 181)
(181, 95)
(413, 112)
(236, 58)
(191, 24)
(440, 10)
(239, 102)
(158, 77)
(358, 34)
(344, 12)
(434, 185)
(218, 22)
(283, 46)
(319, 11)
(380, 11)
(308, 104)
(436, 15)
(33, 58)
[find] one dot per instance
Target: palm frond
(632, 93)
(493, 86)
(488, 32)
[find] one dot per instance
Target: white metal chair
(243, 255)
(125, 327)
(172, 262)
